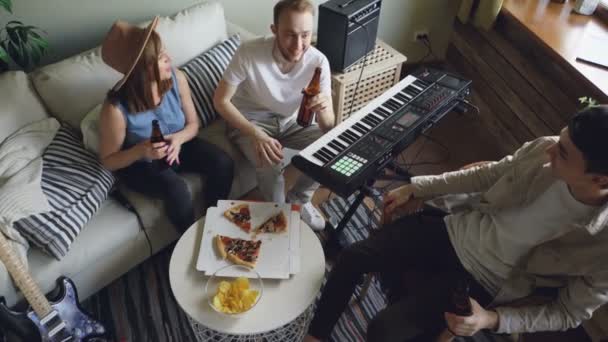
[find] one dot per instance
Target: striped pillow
(75, 184)
(204, 73)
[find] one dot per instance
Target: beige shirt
(575, 261)
(491, 245)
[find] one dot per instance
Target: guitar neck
(23, 280)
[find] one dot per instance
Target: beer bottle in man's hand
(305, 115)
(460, 303)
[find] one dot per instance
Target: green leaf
(39, 42)
(8, 6)
(24, 43)
(3, 55)
(3, 60)
(14, 51)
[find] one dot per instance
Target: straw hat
(123, 46)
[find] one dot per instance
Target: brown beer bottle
(305, 115)
(461, 304)
(157, 135)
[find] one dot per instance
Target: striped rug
(140, 307)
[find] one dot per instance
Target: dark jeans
(417, 245)
(196, 155)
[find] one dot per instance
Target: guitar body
(79, 326)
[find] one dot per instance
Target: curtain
(483, 13)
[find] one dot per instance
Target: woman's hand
(400, 198)
(268, 150)
(174, 145)
(152, 151)
(470, 325)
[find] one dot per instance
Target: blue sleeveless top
(169, 113)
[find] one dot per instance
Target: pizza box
(279, 254)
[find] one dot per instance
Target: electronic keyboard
(354, 151)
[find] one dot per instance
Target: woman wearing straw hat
(152, 90)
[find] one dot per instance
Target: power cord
(367, 41)
(424, 39)
(469, 104)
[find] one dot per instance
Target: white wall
(76, 25)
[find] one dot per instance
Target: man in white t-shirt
(260, 94)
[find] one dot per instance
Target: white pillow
(90, 129)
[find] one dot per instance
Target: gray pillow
(205, 72)
(75, 184)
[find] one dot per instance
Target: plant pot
(586, 7)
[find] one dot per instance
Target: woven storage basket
(382, 71)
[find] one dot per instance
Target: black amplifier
(347, 30)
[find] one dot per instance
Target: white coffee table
(284, 311)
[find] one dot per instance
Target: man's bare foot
(309, 338)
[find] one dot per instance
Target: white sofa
(113, 241)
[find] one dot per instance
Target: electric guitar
(61, 320)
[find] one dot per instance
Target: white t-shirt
(491, 245)
(262, 88)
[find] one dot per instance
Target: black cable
(429, 49)
(470, 105)
(427, 42)
(122, 199)
(443, 146)
(352, 98)
(408, 166)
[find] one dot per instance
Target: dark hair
(588, 131)
(136, 92)
(293, 5)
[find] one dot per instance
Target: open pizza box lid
(279, 254)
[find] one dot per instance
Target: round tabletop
(283, 300)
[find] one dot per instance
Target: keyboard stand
(365, 190)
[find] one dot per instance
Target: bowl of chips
(232, 295)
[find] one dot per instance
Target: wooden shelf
(560, 30)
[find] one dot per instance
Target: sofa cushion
(72, 87)
(90, 129)
(20, 103)
(75, 184)
(113, 231)
(205, 72)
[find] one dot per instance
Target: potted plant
(587, 102)
(23, 44)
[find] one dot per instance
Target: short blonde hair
(292, 5)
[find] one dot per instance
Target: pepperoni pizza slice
(239, 251)
(240, 215)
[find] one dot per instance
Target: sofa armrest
(246, 35)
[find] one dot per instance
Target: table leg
(293, 331)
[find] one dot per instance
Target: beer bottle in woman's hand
(157, 134)
(305, 115)
(157, 137)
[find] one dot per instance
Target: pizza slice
(239, 251)
(277, 223)
(240, 215)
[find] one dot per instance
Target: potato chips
(234, 297)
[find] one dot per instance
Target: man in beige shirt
(533, 219)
